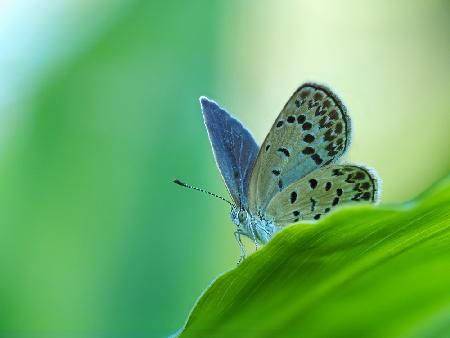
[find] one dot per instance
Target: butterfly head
(240, 217)
(256, 228)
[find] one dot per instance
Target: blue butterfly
(295, 175)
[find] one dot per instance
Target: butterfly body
(296, 174)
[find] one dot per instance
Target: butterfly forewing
(234, 149)
(312, 130)
(321, 191)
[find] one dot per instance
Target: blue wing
(234, 149)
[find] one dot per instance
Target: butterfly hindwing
(312, 130)
(315, 195)
(234, 149)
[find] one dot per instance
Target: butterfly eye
(242, 216)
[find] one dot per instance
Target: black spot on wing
(318, 96)
(309, 138)
(337, 172)
(293, 197)
(325, 123)
(313, 183)
(317, 159)
(313, 203)
(329, 135)
(366, 196)
(284, 151)
(307, 126)
(334, 115)
(359, 175)
(308, 151)
(356, 197)
(301, 119)
(350, 179)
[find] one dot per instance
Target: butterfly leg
(254, 237)
(256, 244)
(237, 235)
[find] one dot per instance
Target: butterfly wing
(312, 130)
(323, 190)
(234, 149)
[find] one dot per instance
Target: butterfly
(296, 174)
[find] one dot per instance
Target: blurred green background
(99, 113)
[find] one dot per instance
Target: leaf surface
(361, 272)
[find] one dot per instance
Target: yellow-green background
(99, 112)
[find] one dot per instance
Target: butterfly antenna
(203, 190)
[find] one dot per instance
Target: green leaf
(362, 272)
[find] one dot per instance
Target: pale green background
(99, 112)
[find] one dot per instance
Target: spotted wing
(233, 146)
(312, 130)
(323, 190)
